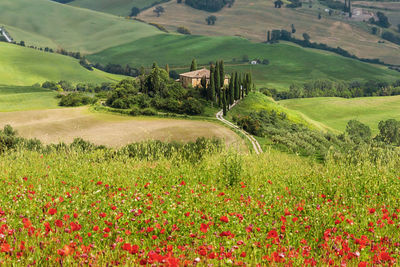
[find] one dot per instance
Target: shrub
(183, 30)
(149, 112)
(134, 111)
(75, 100)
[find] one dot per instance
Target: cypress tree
(248, 83)
(221, 73)
(241, 86)
(193, 67)
(236, 87)
(219, 97)
(217, 82)
(224, 101)
(269, 36)
(231, 91)
(211, 88)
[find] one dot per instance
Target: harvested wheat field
(63, 125)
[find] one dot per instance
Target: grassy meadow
(115, 7)
(16, 98)
(336, 112)
(288, 63)
(252, 18)
(26, 66)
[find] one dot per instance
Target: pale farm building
(193, 78)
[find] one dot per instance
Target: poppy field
(90, 208)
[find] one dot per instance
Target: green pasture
(336, 112)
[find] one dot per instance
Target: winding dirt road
(254, 142)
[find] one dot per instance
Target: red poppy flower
(52, 211)
(224, 219)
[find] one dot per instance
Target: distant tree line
(209, 5)
(66, 86)
(284, 35)
(327, 88)
(118, 69)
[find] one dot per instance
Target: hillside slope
(26, 66)
(288, 63)
(252, 19)
(47, 23)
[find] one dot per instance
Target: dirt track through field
(52, 126)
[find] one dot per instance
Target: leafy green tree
(193, 67)
(306, 37)
(389, 131)
(358, 132)
(158, 10)
(134, 11)
(211, 20)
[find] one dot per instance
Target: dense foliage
(209, 5)
(76, 100)
(382, 21)
(391, 37)
(155, 90)
(80, 87)
(328, 88)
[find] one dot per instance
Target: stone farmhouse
(193, 78)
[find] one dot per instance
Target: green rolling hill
(47, 23)
(288, 63)
(26, 66)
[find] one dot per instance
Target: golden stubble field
(63, 125)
